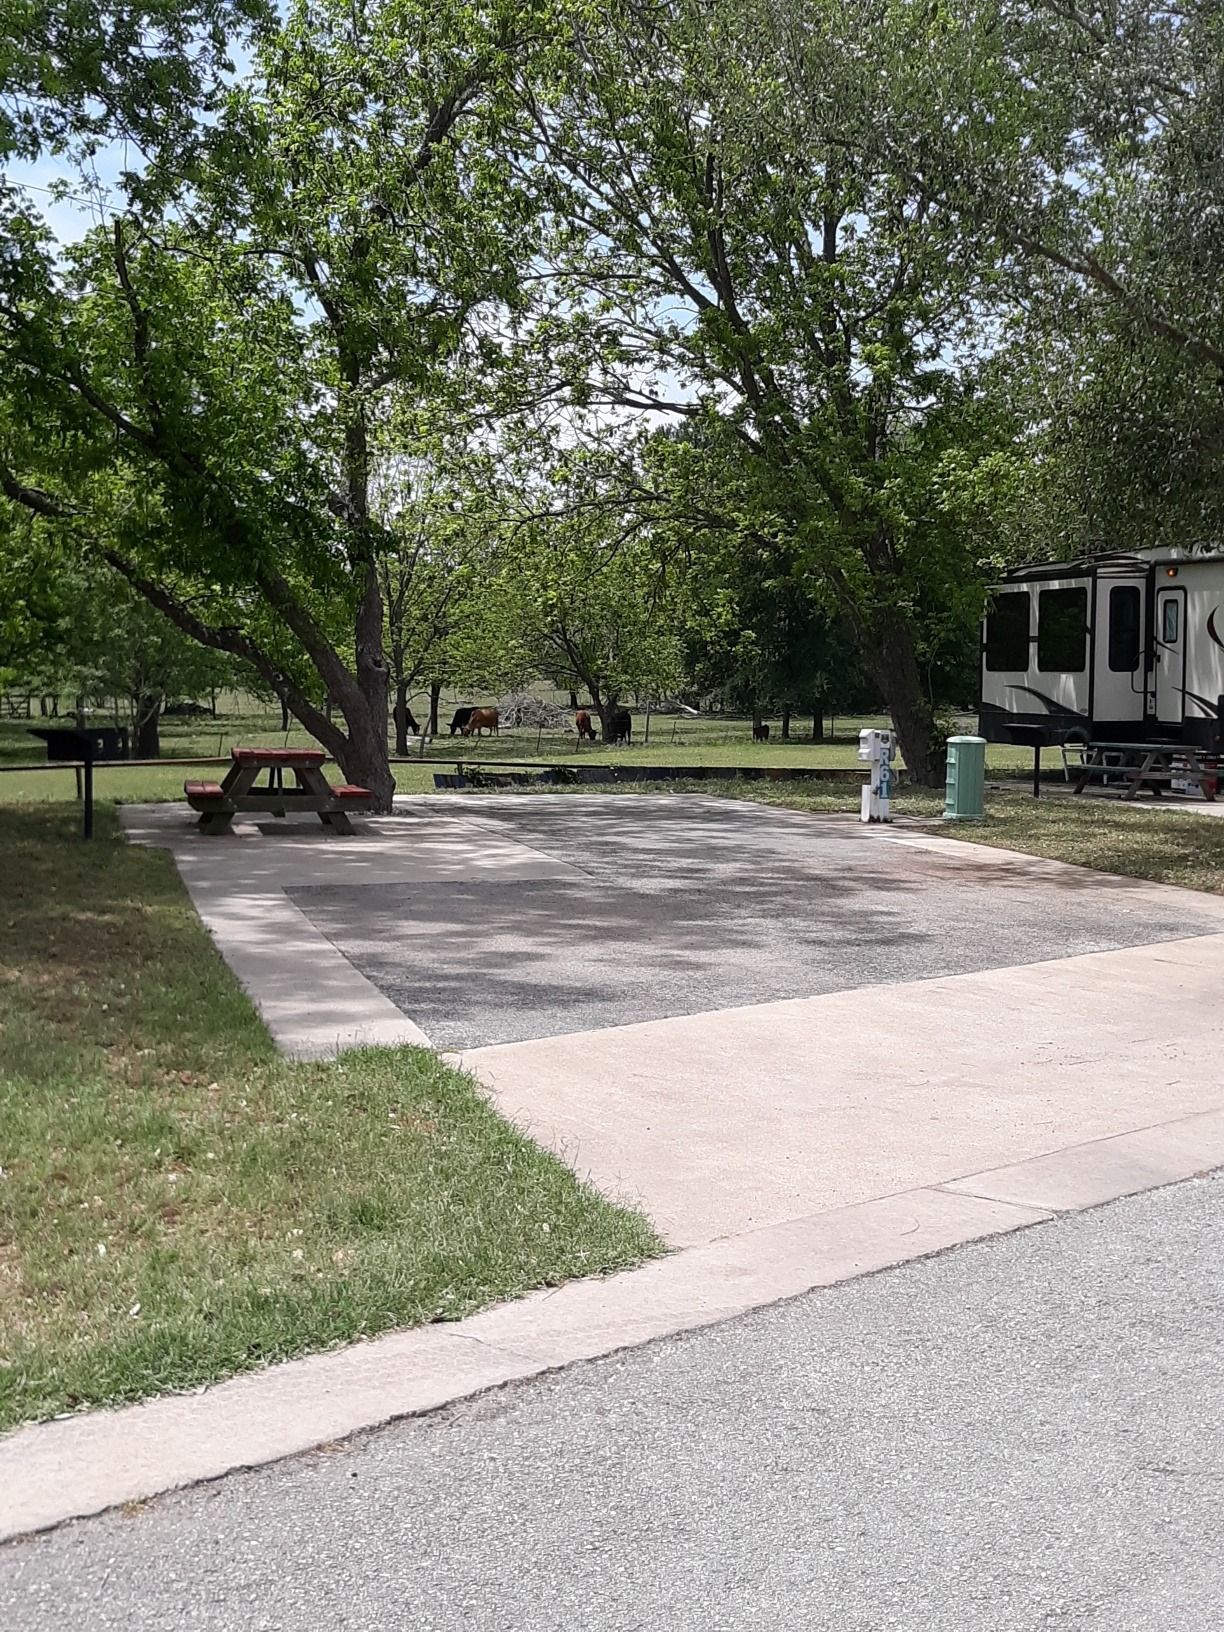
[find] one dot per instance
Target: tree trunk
(818, 725)
(605, 707)
(212, 703)
(366, 760)
(435, 697)
(573, 702)
(893, 665)
(786, 724)
(148, 724)
(401, 718)
(284, 715)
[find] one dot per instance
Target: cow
(586, 731)
(478, 720)
(620, 727)
(459, 719)
(760, 733)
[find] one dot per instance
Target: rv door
(1170, 656)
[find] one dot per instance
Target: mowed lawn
(177, 1203)
(674, 740)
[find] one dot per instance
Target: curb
(76, 1467)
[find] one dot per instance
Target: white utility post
(876, 747)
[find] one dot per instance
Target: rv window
(1125, 640)
(1062, 630)
(1168, 627)
(1007, 633)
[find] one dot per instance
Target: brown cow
(480, 719)
(586, 731)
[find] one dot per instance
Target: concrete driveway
(730, 1015)
(647, 908)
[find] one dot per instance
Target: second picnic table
(1141, 765)
(219, 802)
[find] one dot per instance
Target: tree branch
(232, 641)
(33, 498)
(1087, 266)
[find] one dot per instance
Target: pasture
(673, 740)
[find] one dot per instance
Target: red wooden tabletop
(278, 756)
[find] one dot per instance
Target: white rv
(1115, 648)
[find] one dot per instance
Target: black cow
(760, 733)
(461, 718)
(621, 727)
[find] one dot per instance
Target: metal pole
(89, 798)
(1036, 770)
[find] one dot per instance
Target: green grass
(1167, 847)
(674, 741)
(178, 1203)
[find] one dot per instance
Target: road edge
(77, 1467)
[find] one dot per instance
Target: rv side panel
(1036, 651)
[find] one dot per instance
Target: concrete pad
(80, 1465)
(1086, 1175)
(309, 995)
(717, 1124)
(677, 905)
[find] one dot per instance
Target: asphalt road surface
(1021, 1436)
(666, 906)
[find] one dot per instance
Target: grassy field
(177, 1203)
(673, 741)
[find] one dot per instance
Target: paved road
(1022, 1436)
(663, 906)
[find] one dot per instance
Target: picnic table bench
(1138, 765)
(219, 802)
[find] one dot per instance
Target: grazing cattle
(760, 733)
(410, 724)
(459, 719)
(480, 719)
(621, 727)
(586, 731)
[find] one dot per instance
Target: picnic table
(219, 802)
(1139, 765)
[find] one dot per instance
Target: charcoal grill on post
(82, 745)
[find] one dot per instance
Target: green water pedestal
(965, 800)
